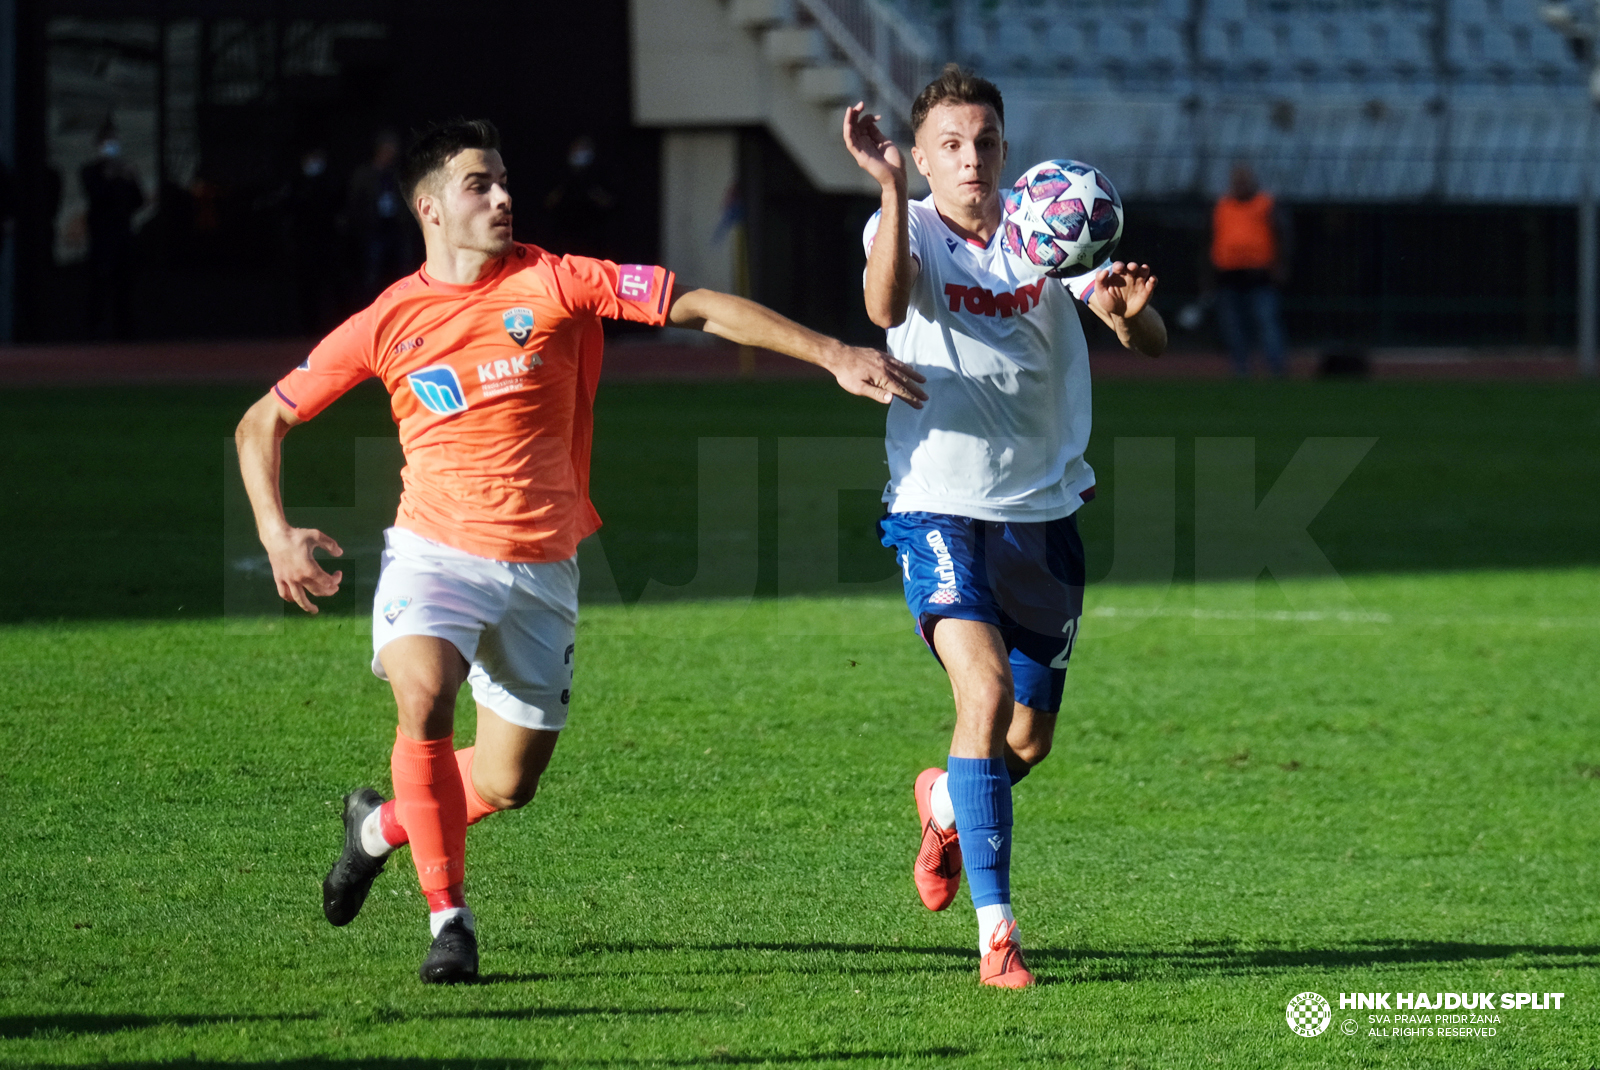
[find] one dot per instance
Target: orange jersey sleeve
(638, 292)
(340, 361)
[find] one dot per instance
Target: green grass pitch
(715, 871)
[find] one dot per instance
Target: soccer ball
(1062, 218)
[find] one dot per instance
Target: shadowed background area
(116, 497)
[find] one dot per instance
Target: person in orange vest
(1249, 256)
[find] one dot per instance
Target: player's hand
(1123, 290)
(872, 373)
(295, 569)
(874, 153)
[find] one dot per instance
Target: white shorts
(512, 622)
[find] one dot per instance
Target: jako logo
(981, 302)
(408, 344)
(439, 390)
(947, 569)
(505, 369)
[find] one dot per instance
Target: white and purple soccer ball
(1062, 218)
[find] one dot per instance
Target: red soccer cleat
(1003, 967)
(938, 867)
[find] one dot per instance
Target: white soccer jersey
(1002, 434)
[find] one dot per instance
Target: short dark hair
(436, 146)
(956, 85)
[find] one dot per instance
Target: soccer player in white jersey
(985, 479)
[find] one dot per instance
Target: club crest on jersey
(439, 390)
(519, 324)
(394, 608)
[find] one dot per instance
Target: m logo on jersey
(519, 324)
(439, 390)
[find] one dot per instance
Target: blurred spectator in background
(380, 222)
(314, 202)
(115, 197)
(579, 207)
(1250, 239)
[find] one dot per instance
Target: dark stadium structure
(1433, 153)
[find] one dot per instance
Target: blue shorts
(1025, 579)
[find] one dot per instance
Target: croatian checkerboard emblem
(519, 324)
(1309, 1014)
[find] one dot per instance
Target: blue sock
(980, 791)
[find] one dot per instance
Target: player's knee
(1032, 751)
(426, 712)
(510, 791)
(990, 701)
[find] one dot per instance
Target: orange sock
(477, 809)
(395, 832)
(432, 808)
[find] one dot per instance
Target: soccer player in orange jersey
(491, 351)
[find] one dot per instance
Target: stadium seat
(1409, 51)
(1216, 43)
(1258, 47)
(1164, 47)
(1308, 46)
(1019, 46)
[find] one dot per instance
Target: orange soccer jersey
(493, 387)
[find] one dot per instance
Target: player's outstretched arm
(294, 569)
(890, 267)
(1121, 299)
(870, 373)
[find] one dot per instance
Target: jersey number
(1061, 659)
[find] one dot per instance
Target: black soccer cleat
(453, 958)
(345, 887)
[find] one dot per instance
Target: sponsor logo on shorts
(519, 324)
(439, 390)
(394, 607)
(636, 281)
(945, 570)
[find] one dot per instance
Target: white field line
(1342, 616)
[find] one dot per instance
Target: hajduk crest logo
(519, 324)
(1308, 1014)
